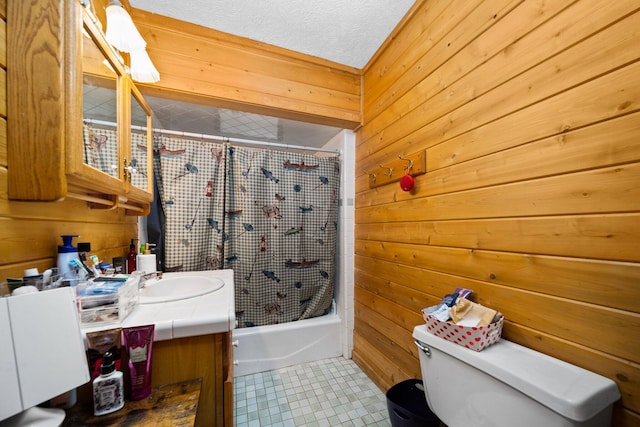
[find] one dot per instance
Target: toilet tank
(510, 385)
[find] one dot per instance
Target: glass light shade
(142, 69)
(121, 31)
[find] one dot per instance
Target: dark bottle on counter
(131, 258)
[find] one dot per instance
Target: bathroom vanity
(192, 340)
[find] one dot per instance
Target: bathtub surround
(269, 347)
(345, 143)
(270, 216)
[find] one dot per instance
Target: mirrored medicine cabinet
(77, 125)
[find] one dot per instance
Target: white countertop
(202, 315)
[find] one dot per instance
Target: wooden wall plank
(561, 318)
(3, 43)
(24, 240)
(608, 326)
(3, 94)
(484, 97)
(434, 21)
(456, 54)
(206, 48)
(530, 128)
(626, 375)
(438, 269)
(227, 71)
(200, 75)
(594, 236)
(252, 92)
(618, 95)
(502, 73)
(603, 144)
(550, 116)
(376, 362)
(603, 190)
(494, 61)
(392, 340)
(3, 144)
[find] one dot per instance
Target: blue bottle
(66, 253)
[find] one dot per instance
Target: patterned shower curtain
(101, 152)
(270, 216)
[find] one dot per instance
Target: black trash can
(407, 405)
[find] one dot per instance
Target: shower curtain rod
(218, 138)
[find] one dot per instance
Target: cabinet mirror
(141, 135)
(99, 108)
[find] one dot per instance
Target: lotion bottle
(138, 341)
(108, 388)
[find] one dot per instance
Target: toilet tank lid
(573, 392)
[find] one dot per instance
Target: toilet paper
(146, 263)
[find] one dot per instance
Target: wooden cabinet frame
(44, 110)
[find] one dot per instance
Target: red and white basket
(474, 337)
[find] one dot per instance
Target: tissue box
(105, 308)
(474, 337)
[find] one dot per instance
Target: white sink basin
(178, 288)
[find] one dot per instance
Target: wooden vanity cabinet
(57, 58)
(208, 357)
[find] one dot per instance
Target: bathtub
(264, 348)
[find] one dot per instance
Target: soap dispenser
(131, 257)
(146, 261)
(66, 253)
(108, 388)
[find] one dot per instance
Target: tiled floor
(328, 393)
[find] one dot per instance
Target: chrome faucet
(142, 282)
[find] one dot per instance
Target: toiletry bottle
(131, 258)
(83, 249)
(108, 388)
(138, 342)
(66, 253)
(146, 261)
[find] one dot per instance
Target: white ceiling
(344, 31)
(348, 32)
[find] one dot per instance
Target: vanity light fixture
(142, 69)
(121, 31)
(124, 36)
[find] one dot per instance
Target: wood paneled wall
(30, 232)
(202, 65)
(529, 113)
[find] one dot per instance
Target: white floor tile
(329, 392)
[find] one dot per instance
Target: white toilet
(510, 385)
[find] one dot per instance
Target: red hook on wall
(407, 182)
